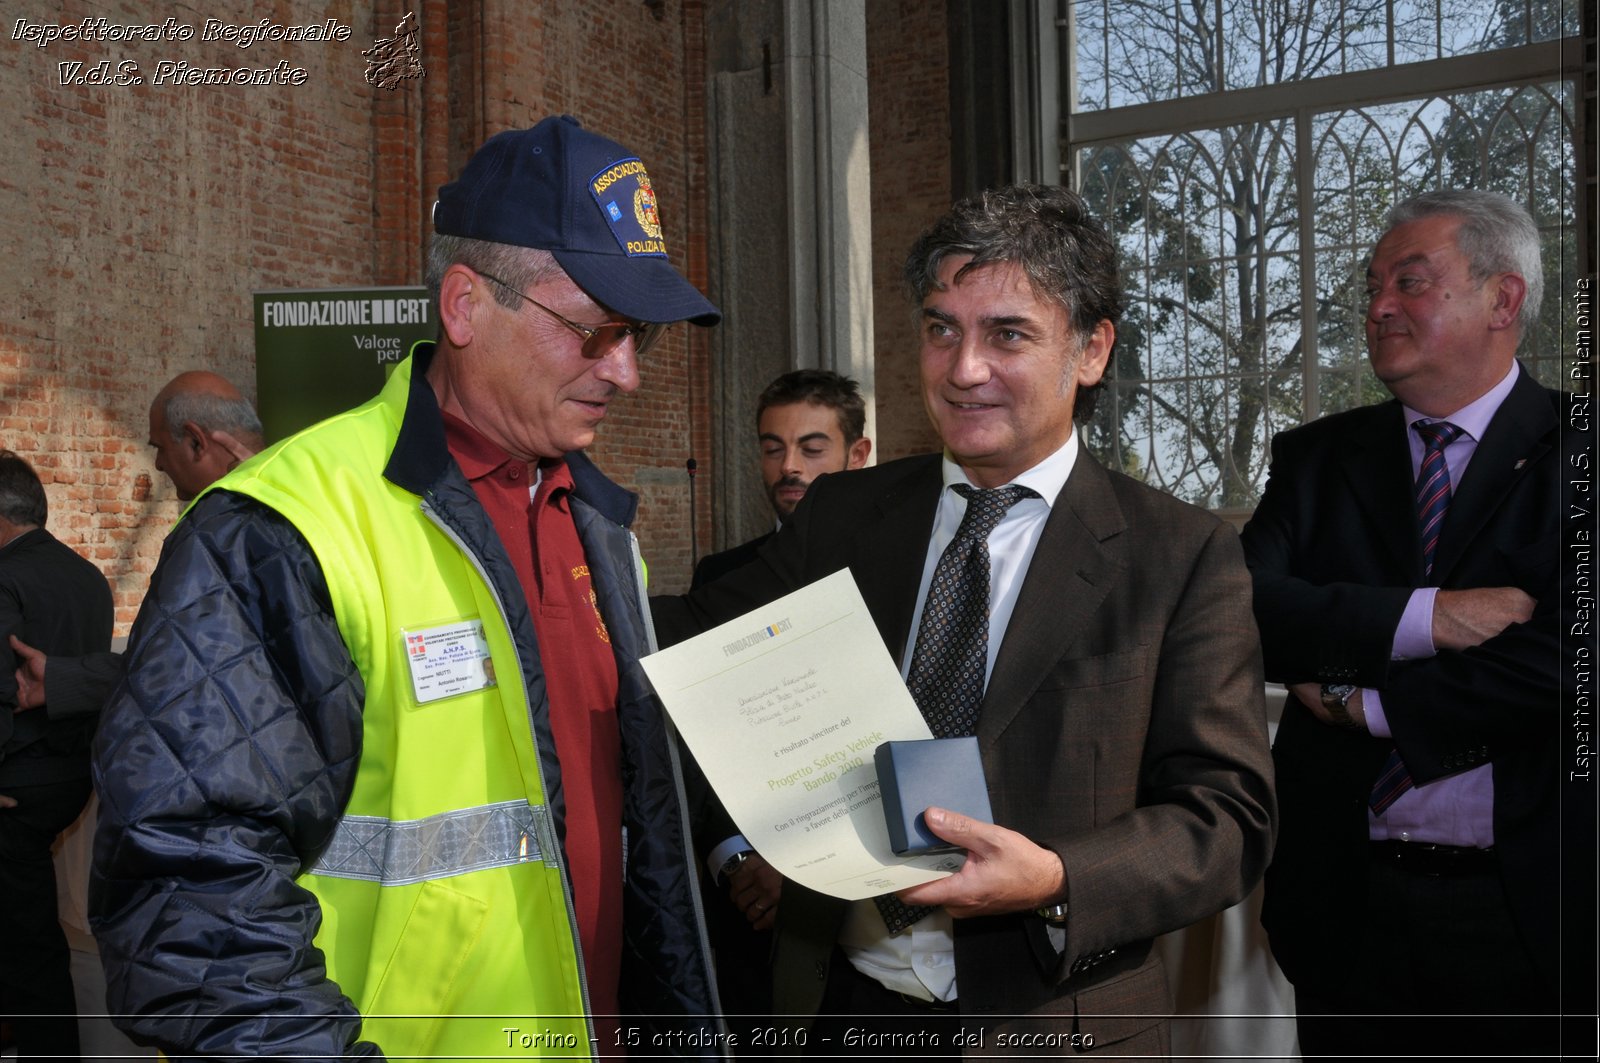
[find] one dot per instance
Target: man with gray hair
(385, 776)
(201, 427)
(1405, 561)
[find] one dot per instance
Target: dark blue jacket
(236, 665)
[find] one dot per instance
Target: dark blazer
(55, 601)
(1123, 727)
(1335, 554)
(713, 567)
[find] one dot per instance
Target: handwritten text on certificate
(783, 708)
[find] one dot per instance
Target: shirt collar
(1474, 417)
(1046, 478)
(477, 455)
(555, 472)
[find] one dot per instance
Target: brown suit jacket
(1123, 727)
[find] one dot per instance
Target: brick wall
(909, 117)
(138, 219)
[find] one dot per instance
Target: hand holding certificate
(783, 709)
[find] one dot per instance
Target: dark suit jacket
(1335, 553)
(713, 567)
(79, 685)
(57, 602)
(1123, 727)
(743, 955)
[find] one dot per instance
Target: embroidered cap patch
(622, 191)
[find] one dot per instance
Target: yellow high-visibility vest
(445, 916)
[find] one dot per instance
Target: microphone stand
(694, 542)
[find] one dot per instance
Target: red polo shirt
(580, 676)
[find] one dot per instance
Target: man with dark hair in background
(808, 422)
(60, 602)
(1406, 566)
(1092, 632)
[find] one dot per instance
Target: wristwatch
(1056, 914)
(1335, 696)
(1336, 699)
(732, 864)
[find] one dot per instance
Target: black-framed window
(1245, 152)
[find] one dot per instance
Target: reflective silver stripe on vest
(399, 853)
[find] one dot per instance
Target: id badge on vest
(448, 659)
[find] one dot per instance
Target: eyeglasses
(598, 340)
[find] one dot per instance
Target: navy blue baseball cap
(585, 199)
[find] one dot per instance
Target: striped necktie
(1433, 500)
(1433, 486)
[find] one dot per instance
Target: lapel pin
(1520, 463)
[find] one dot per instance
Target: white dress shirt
(920, 961)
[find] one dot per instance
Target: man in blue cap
(383, 738)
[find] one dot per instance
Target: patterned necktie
(1433, 499)
(952, 648)
(1433, 487)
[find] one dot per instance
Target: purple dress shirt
(1457, 809)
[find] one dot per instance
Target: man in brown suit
(1120, 701)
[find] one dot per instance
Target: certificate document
(783, 708)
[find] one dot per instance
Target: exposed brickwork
(398, 197)
(697, 367)
(137, 221)
(139, 218)
(909, 116)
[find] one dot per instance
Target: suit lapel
(1078, 560)
(1517, 437)
(888, 559)
(1376, 470)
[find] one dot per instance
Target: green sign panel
(322, 351)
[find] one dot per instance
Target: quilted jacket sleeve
(223, 762)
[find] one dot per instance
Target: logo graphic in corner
(392, 60)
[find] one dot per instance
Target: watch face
(1337, 694)
(732, 864)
